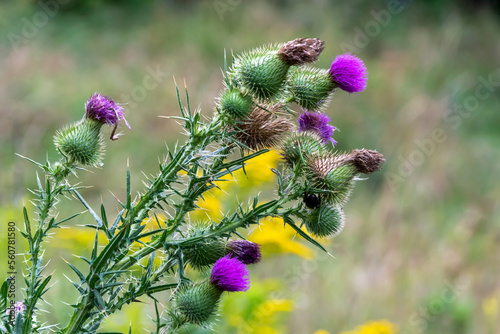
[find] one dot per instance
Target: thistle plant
(252, 115)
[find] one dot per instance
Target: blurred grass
(406, 244)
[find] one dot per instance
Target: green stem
(48, 199)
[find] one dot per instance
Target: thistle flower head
(19, 307)
(230, 274)
(334, 175)
(366, 161)
(263, 128)
(317, 122)
(301, 51)
(349, 73)
(324, 221)
(104, 110)
(246, 251)
(82, 142)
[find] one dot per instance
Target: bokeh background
(421, 248)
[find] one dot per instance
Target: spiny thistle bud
(301, 51)
(234, 104)
(349, 73)
(325, 220)
(310, 87)
(366, 161)
(81, 143)
(246, 251)
(204, 253)
(261, 72)
(197, 303)
(104, 110)
(263, 128)
(297, 147)
(332, 176)
(318, 123)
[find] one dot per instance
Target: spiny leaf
(87, 206)
(78, 272)
(303, 234)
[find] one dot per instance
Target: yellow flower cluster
(275, 237)
(256, 312)
(375, 327)
(256, 172)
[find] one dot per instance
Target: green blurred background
(421, 246)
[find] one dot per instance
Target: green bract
(197, 303)
(310, 87)
(235, 104)
(327, 220)
(260, 72)
(81, 142)
(204, 253)
(299, 146)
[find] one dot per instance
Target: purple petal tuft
(246, 251)
(349, 72)
(104, 110)
(230, 274)
(316, 122)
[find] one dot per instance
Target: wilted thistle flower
(105, 111)
(318, 123)
(263, 71)
(246, 251)
(349, 73)
(197, 303)
(301, 51)
(263, 128)
(366, 161)
(335, 174)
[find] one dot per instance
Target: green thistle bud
(235, 104)
(325, 220)
(334, 176)
(297, 147)
(261, 72)
(310, 87)
(82, 142)
(204, 253)
(197, 303)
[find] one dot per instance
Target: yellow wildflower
(258, 170)
(254, 312)
(321, 331)
(375, 327)
(275, 238)
(490, 307)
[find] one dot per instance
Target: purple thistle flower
(318, 123)
(104, 110)
(246, 251)
(230, 274)
(18, 307)
(349, 73)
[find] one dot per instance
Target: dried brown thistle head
(301, 51)
(263, 128)
(366, 161)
